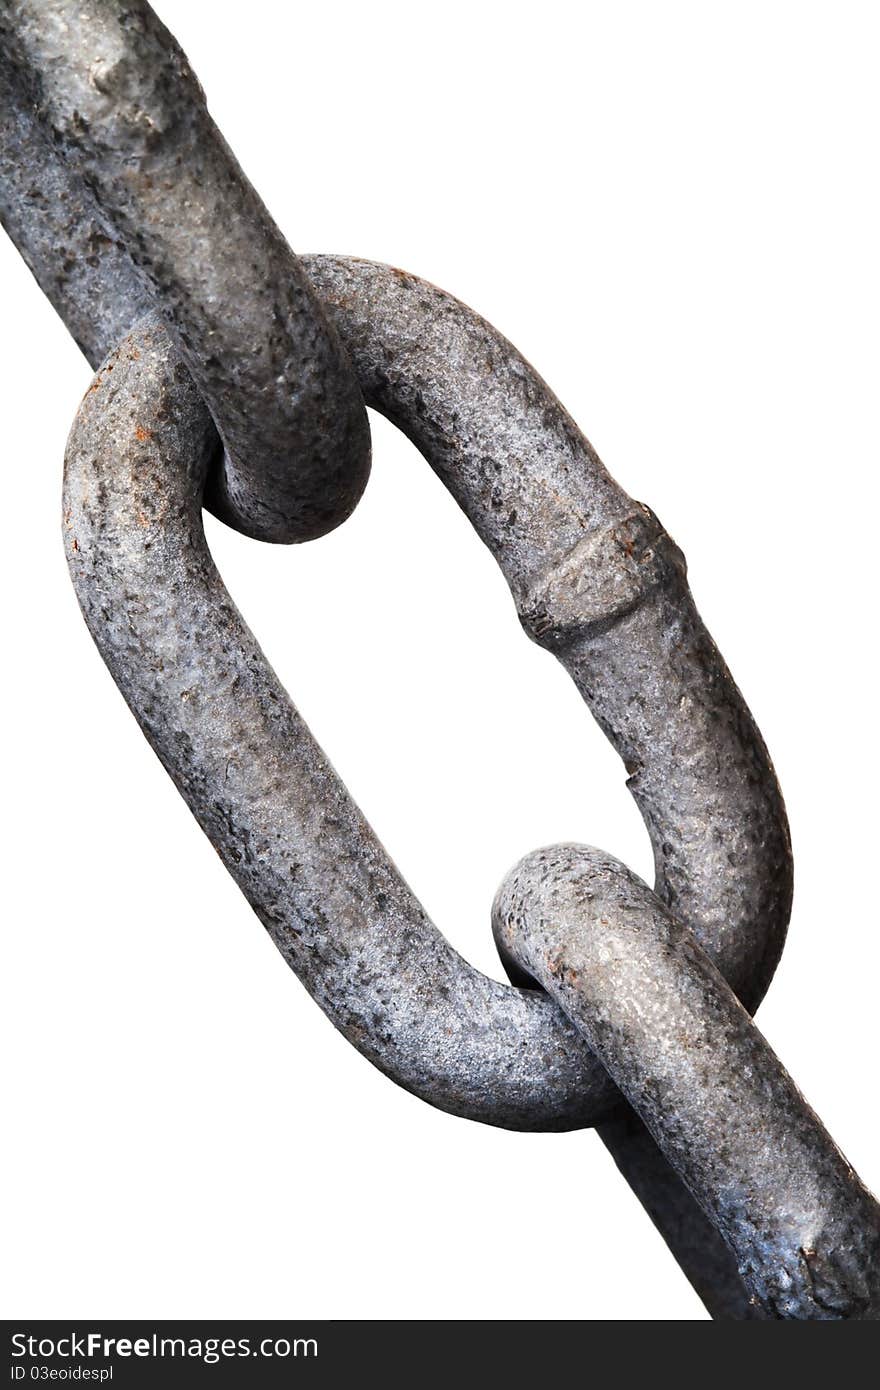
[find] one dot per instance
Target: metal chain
(140, 227)
(651, 1004)
(165, 215)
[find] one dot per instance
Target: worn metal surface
(141, 173)
(620, 617)
(264, 792)
(125, 201)
(692, 1237)
(260, 786)
(266, 795)
(84, 271)
(598, 581)
(804, 1229)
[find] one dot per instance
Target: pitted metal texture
(142, 181)
(804, 1230)
(287, 829)
(596, 580)
(142, 230)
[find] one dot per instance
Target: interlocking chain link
(166, 216)
(139, 225)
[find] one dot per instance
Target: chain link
(144, 233)
(169, 218)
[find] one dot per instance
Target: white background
(673, 211)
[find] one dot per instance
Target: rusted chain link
(115, 184)
(144, 184)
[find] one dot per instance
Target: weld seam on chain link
(320, 881)
(139, 225)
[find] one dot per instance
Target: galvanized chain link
(144, 233)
